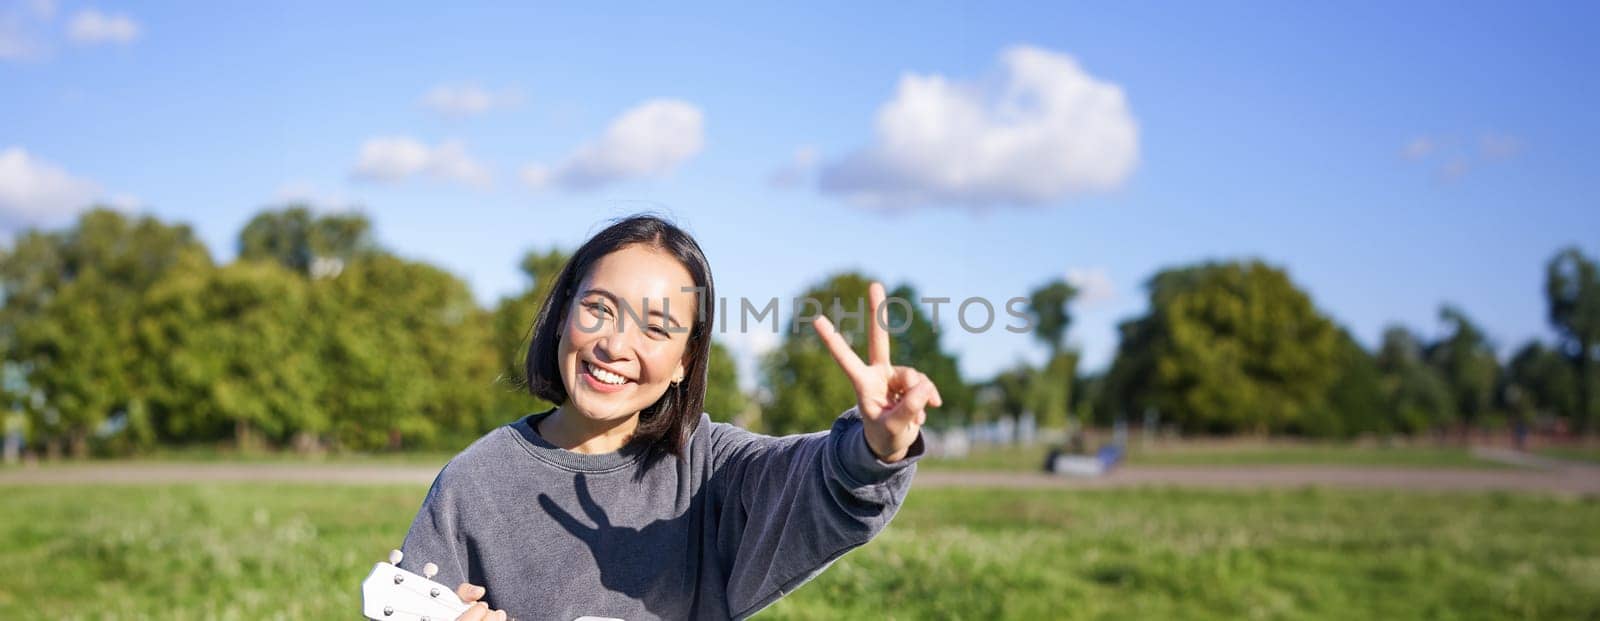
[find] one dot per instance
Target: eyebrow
(618, 301)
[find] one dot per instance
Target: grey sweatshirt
(739, 521)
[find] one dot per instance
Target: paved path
(1582, 480)
(1522, 459)
(1560, 477)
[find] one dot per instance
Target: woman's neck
(580, 434)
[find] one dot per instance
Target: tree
(32, 270)
(1051, 385)
(1007, 395)
(1226, 347)
(71, 300)
(407, 355)
(1355, 401)
(1466, 362)
(1048, 306)
(724, 400)
(1572, 288)
(1050, 389)
(513, 330)
(78, 353)
(1086, 397)
(807, 391)
(1540, 382)
(1125, 388)
(1418, 399)
(297, 239)
(234, 354)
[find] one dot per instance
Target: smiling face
(626, 333)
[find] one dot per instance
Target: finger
(842, 354)
(909, 378)
(498, 615)
(469, 592)
(935, 400)
(476, 612)
(877, 335)
(916, 401)
(903, 378)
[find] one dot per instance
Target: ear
(680, 372)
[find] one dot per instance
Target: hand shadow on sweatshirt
(636, 562)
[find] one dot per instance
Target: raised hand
(892, 400)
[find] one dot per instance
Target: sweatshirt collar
(564, 459)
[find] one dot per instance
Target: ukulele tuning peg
(429, 570)
(395, 556)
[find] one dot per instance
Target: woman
(626, 500)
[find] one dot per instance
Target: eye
(597, 307)
(659, 330)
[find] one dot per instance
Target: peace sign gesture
(891, 399)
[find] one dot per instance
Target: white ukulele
(394, 594)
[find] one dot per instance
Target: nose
(613, 346)
(616, 343)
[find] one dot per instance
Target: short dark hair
(667, 424)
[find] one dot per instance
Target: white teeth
(604, 375)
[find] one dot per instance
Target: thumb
(469, 592)
(916, 401)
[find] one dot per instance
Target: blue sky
(1390, 156)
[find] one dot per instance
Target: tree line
(1238, 347)
(120, 334)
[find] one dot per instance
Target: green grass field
(1591, 454)
(264, 551)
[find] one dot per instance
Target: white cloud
(1046, 130)
(28, 33)
(535, 175)
(1453, 159)
(391, 158)
(648, 140)
(396, 158)
(451, 161)
(19, 26)
(1093, 284)
(16, 45)
(90, 27)
(1499, 146)
(798, 171)
(1419, 148)
(462, 100)
(39, 193)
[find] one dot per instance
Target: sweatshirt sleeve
(792, 505)
(436, 534)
